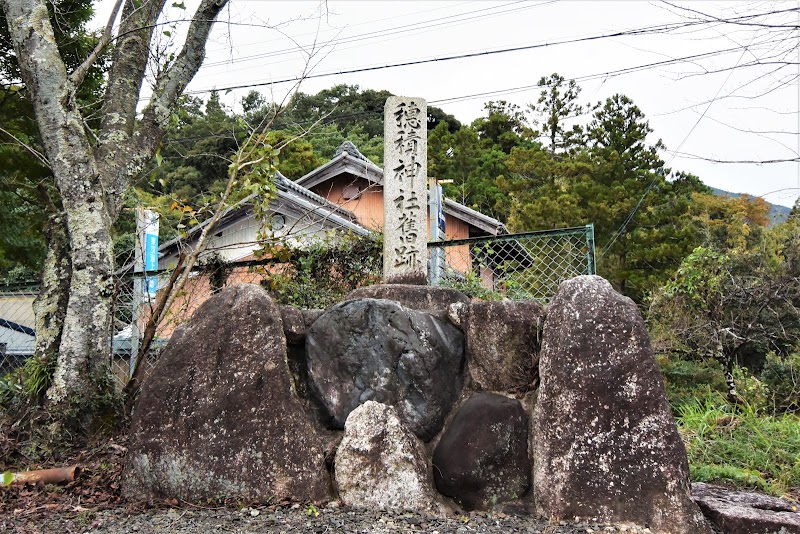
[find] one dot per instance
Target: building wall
(368, 204)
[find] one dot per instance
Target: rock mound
(422, 298)
(482, 458)
(381, 465)
(740, 512)
(502, 345)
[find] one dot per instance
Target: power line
(641, 31)
(393, 31)
(630, 217)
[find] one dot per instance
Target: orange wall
(368, 205)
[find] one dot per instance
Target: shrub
(781, 376)
(688, 380)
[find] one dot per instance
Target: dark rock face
(482, 458)
(219, 417)
(370, 349)
(381, 465)
(416, 297)
(502, 345)
(605, 443)
(738, 512)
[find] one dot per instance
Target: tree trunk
(50, 305)
(91, 181)
(85, 332)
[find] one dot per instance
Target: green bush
(686, 381)
(322, 273)
(10, 388)
(471, 285)
(781, 376)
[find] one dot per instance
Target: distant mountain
(777, 213)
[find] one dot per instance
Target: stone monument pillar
(405, 201)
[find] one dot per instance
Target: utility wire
(414, 26)
(332, 119)
(650, 187)
(641, 31)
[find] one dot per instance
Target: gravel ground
(292, 519)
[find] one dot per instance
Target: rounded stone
(482, 458)
(373, 349)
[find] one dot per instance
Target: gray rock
(482, 457)
(740, 512)
(295, 323)
(416, 297)
(605, 444)
(370, 349)
(381, 465)
(457, 313)
(503, 345)
(218, 417)
(294, 326)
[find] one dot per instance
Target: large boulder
(416, 297)
(482, 457)
(503, 345)
(742, 512)
(373, 349)
(605, 444)
(380, 464)
(218, 416)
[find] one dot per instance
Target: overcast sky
(744, 112)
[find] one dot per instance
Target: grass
(739, 446)
(754, 445)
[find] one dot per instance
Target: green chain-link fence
(526, 266)
(515, 266)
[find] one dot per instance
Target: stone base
(416, 297)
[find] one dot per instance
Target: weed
(741, 446)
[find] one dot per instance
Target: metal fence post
(591, 266)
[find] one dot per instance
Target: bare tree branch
(80, 73)
(38, 155)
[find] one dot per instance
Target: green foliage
(685, 380)
(24, 185)
(739, 446)
(781, 378)
(471, 285)
(296, 157)
(700, 279)
(504, 126)
(322, 273)
(350, 107)
(460, 157)
(311, 510)
(27, 193)
(196, 151)
(599, 174)
(37, 375)
(736, 306)
(11, 388)
(556, 106)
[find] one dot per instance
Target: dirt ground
(93, 504)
